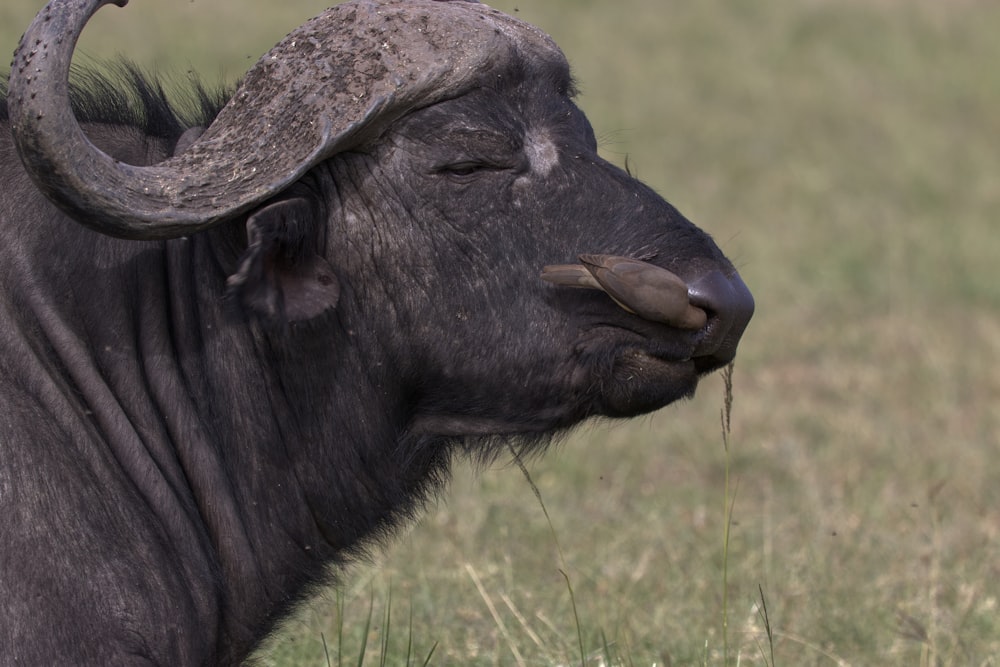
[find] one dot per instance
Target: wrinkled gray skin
(194, 428)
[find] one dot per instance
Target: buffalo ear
(282, 276)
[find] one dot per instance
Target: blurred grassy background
(843, 153)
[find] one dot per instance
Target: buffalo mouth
(624, 372)
(676, 331)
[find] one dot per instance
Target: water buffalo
(240, 349)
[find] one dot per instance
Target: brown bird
(649, 291)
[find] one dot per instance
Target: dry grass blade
(495, 614)
(522, 620)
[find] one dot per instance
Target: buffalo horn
(649, 291)
(333, 83)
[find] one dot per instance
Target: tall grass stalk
(729, 495)
(386, 621)
(766, 620)
(367, 628)
(340, 628)
(409, 639)
(562, 559)
(326, 650)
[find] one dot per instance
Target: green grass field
(845, 154)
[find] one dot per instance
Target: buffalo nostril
(729, 304)
(716, 292)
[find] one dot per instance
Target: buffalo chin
(641, 383)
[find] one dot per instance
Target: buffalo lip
(643, 289)
(643, 380)
(646, 344)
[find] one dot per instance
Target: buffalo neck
(226, 437)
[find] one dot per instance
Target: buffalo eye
(466, 171)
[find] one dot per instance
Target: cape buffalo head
(405, 170)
